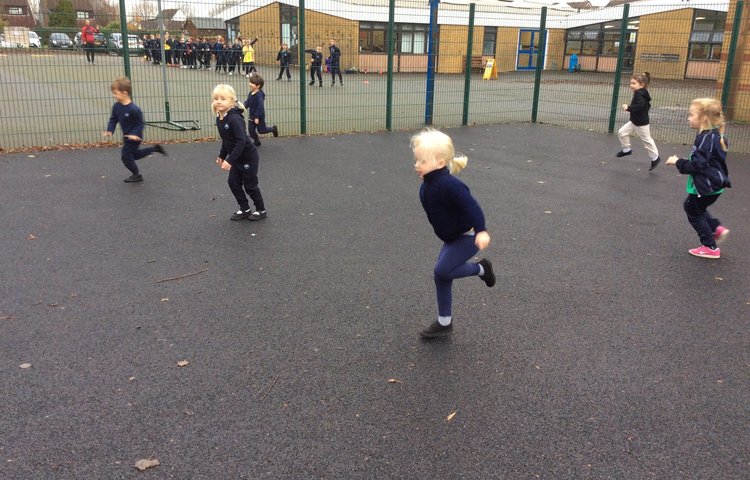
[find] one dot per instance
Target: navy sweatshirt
(255, 105)
(639, 107)
(450, 208)
(707, 165)
(129, 117)
(335, 55)
(236, 149)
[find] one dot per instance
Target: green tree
(63, 15)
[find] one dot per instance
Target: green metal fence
(403, 65)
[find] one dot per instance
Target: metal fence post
(125, 39)
(431, 44)
(467, 64)
(540, 53)
(730, 55)
(302, 76)
(618, 68)
(389, 73)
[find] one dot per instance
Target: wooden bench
(476, 63)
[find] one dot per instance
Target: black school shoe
(275, 131)
(159, 149)
(489, 274)
(623, 154)
(436, 330)
(654, 163)
(259, 215)
(240, 215)
(134, 178)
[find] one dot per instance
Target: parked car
(59, 40)
(99, 41)
(114, 44)
(34, 40)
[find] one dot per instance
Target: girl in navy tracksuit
(237, 154)
(256, 111)
(708, 174)
(456, 218)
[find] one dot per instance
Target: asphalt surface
(604, 352)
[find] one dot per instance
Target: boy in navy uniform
(129, 116)
(335, 58)
(256, 112)
(315, 66)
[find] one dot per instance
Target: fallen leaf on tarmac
(451, 415)
(25, 365)
(718, 279)
(130, 379)
(182, 363)
(165, 299)
(31, 237)
(540, 181)
(547, 211)
(393, 380)
(145, 463)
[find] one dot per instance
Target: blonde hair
(438, 146)
(227, 91)
(713, 117)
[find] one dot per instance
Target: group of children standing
(198, 53)
(455, 215)
(333, 63)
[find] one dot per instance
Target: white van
(34, 40)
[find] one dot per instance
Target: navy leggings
(696, 209)
(253, 130)
(130, 153)
(244, 176)
(452, 263)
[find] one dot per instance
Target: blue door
(528, 48)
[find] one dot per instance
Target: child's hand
(672, 160)
(134, 138)
(625, 107)
(482, 240)
(106, 134)
(225, 165)
(257, 121)
(218, 161)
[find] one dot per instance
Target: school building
(671, 39)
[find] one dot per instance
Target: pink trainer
(721, 234)
(705, 252)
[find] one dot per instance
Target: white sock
(626, 150)
(481, 270)
(444, 321)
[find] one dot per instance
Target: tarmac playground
(152, 327)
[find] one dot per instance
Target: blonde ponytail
(439, 146)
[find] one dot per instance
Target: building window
(15, 10)
(288, 24)
(707, 35)
(490, 41)
(372, 37)
(82, 15)
(411, 38)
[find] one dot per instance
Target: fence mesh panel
(685, 47)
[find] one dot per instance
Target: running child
(639, 121)
(708, 175)
(456, 218)
(237, 154)
(256, 111)
(130, 117)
